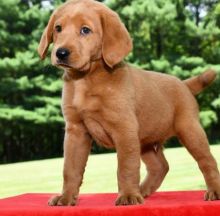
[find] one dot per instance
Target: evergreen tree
(30, 117)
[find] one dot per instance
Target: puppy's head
(84, 31)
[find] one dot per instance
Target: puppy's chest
(84, 103)
(84, 98)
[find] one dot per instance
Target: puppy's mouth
(84, 67)
(66, 65)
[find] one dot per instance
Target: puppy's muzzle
(62, 54)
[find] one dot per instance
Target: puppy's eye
(58, 28)
(85, 30)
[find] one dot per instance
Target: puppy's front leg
(128, 153)
(77, 145)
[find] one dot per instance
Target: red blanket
(185, 203)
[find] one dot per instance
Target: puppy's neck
(71, 74)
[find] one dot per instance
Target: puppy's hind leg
(194, 139)
(157, 168)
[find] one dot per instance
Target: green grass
(46, 175)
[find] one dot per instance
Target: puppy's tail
(198, 83)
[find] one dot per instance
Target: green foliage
(216, 102)
(189, 63)
(160, 64)
(30, 117)
(178, 37)
(207, 118)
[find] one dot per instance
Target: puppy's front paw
(129, 199)
(62, 200)
(213, 192)
(212, 195)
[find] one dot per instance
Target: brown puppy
(120, 106)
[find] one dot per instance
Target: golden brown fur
(120, 106)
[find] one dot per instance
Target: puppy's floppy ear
(46, 38)
(116, 39)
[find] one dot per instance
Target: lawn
(46, 175)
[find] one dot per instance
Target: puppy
(119, 106)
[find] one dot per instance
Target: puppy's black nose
(62, 53)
